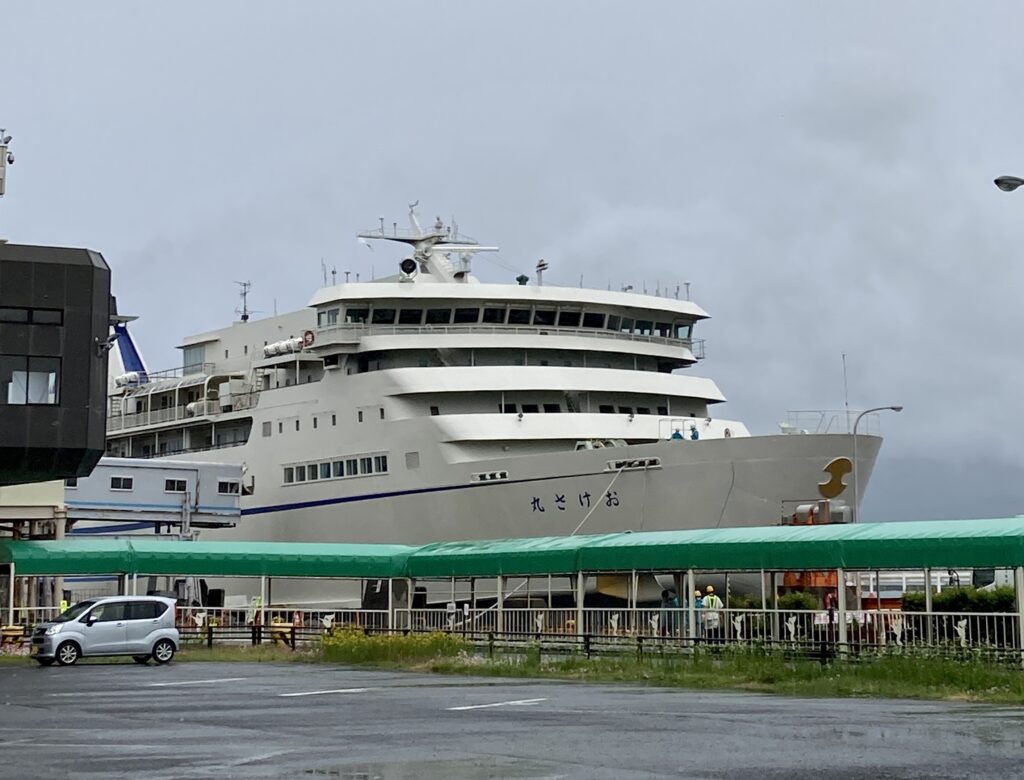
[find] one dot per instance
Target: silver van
(139, 626)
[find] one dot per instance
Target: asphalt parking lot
(196, 720)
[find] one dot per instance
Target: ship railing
(351, 333)
(199, 409)
(831, 421)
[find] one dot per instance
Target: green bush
(353, 646)
(799, 600)
(968, 599)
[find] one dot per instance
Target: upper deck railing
(352, 332)
(831, 421)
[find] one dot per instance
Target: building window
(174, 486)
(434, 411)
(23, 316)
(266, 429)
(122, 483)
(325, 471)
(29, 380)
(366, 465)
(15, 315)
(289, 475)
(380, 463)
(71, 483)
(228, 488)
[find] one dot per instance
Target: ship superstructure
(430, 406)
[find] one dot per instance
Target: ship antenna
(687, 285)
(323, 270)
(542, 266)
(244, 293)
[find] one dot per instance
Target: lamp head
(896, 408)
(1009, 183)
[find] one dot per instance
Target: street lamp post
(856, 422)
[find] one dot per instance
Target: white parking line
(516, 703)
(322, 693)
(197, 682)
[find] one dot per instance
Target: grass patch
(247, 653)
(352, 646)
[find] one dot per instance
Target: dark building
(55, 315)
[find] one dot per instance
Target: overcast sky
(820, 172)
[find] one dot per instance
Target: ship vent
(489, 476)
(633, 464)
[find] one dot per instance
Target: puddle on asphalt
(465, 769)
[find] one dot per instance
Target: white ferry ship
(429, 406)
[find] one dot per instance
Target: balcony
(194, 411)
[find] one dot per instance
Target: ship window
(625, 410)
(380, 463)
(494, 315)
(321, 319)
(544, 317)
(297, 425)
(245, 350)
(289, 475)
(351, 467)
(552, 408)
(332, 316)
(643, 410)
(174, 486)
(228, 488)
(315, 423)
(518, 316)
(311, 472)
(463, 316)
(663, 410)
(530, 408)
(334, 419)
(225, 354)
(338, 468)
(412, 460)
(644, 327)
(663, 329)
(410, 316)
(606, 409)
(71, 483)
(569, 319)
(509, 408)
(593, 319)
(383, 316)
(300, 473)
(366, 465)
(356, 314)
(280, 427)
(684, 330)
(122, 483)
(613, 322)
(47, 317)
(382, 413)
(434, 411)
(359, 415)
(438, 316)
(325, 471)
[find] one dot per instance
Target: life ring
(307, 339)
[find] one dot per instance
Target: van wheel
(163, 651)
(68, 653)
(140, 659)
(45, 661)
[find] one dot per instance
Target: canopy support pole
(10, 596)
(928, 603)
(501, 604)
(841, 592)
(691, 607)
(633, 584)
(391, 604)
(580, 595)
(263, 600)
(1018, 581)
(135, 583)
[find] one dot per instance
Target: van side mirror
(90, 620)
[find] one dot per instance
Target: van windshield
(73, 612)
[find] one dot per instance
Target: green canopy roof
(935, 544)
(148, 555)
